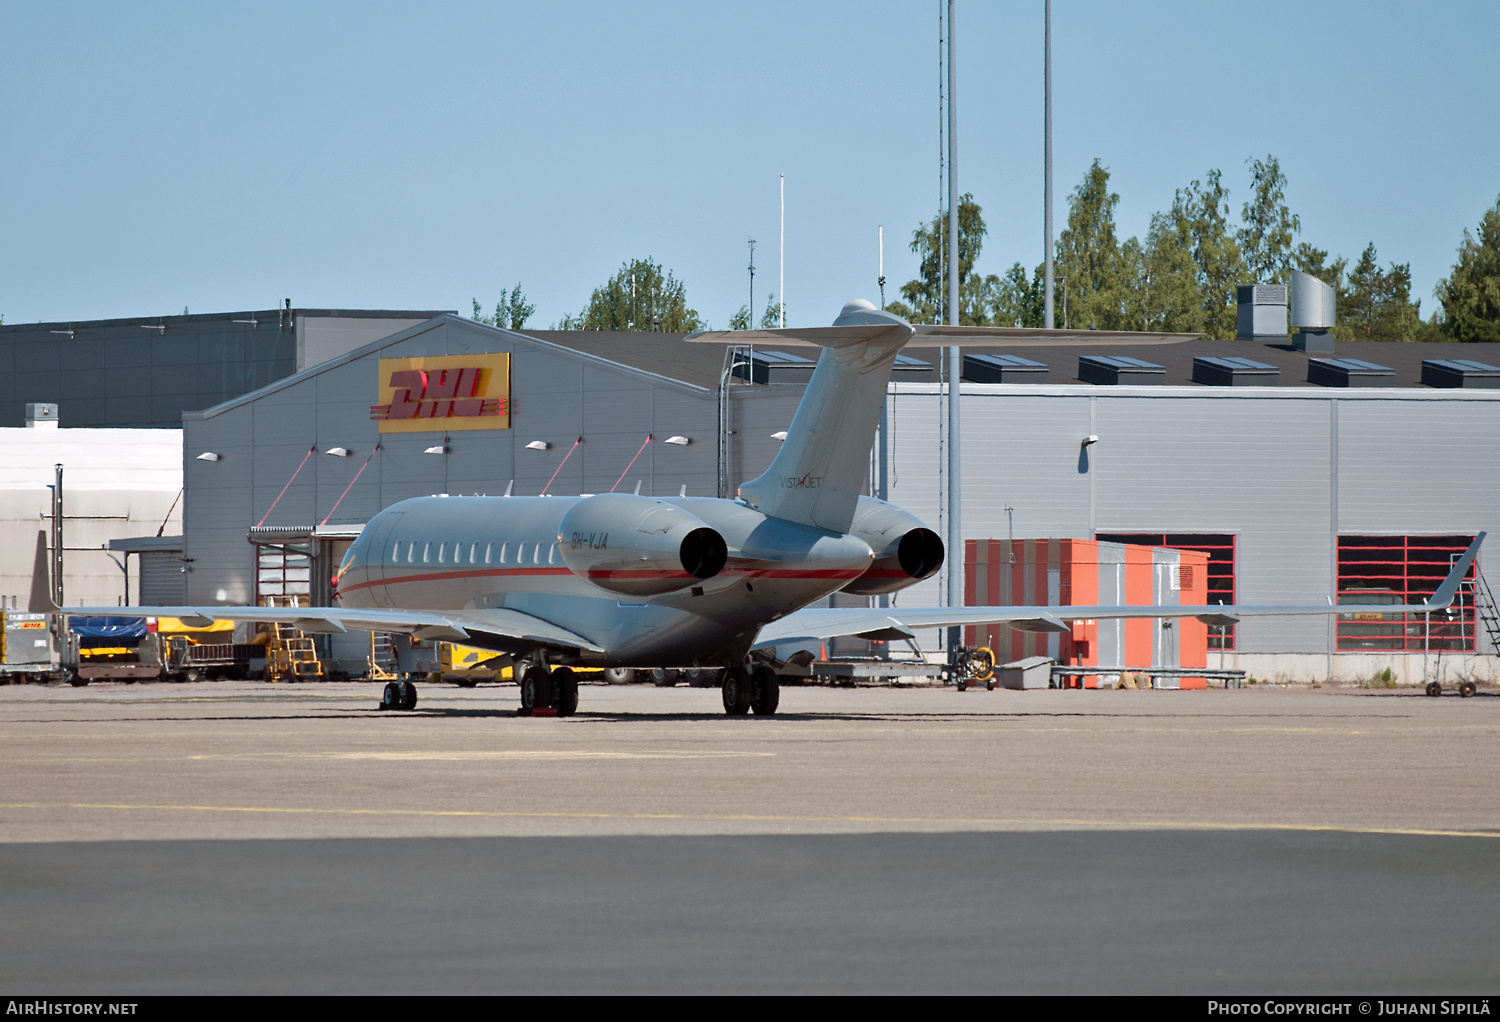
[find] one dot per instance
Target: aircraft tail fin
(1444, 596)
(41, 580)
(817, 475)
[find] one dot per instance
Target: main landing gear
(399, 695)
(542, 689)
(746, 690)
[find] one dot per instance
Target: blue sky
(223, 157)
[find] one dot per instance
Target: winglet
(1445, 592)
(41, 580)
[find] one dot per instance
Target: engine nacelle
(638, 546)
(906, 551)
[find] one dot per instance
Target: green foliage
(927, 296)
(769, 320)
(511, 311)
(1164, 293)
(1471, 293)
(1267, 226)
(1088, 256)
(1379, 305)
(1013, 300)
(1201, 212)
(640, 292)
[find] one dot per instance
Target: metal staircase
(382, 658)
(290, 654)
(1485, 608)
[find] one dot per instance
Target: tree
(1088, 256)
(1471, 293)
(1379, 301)
(511, 311)
(927, 296)
(641, 296)
(769, 320)
(1265, 234)
(1200, 214)
(1164, 294)
(1013, 300)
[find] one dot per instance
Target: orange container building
(1086, 572)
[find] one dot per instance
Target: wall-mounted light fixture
(779, 435)
(439, 449)
(538, 445)
(208, 456)
(338, 452)
(677, 441)
(1090, 440)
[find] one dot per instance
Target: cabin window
(396, 552)
(489, 548)
(426, 552)
(503, 548)
(552, 553)
(442, 551)
(536, 556)
(411, 552)
(473, 552)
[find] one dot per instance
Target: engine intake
(638, 546)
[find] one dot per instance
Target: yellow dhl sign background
(443, 394)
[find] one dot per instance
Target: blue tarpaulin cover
(108, 631)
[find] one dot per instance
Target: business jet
(624, 580)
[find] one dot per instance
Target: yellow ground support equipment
(290, 654)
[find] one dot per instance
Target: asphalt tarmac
(248, 838)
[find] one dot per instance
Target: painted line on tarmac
(1063, 822)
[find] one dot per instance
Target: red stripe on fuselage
(442, 576)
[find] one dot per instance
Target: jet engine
(638, 546)
(906, 551)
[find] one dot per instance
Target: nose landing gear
(398, 695)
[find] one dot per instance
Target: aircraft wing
(818, 623)
(482, 628)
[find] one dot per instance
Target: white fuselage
(478, 553)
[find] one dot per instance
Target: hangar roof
(700, 364)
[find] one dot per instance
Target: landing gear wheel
(663, 677)
(619, 675)
(565, 691)
(390, 699)
(408, 696)
(536, 689)
(1434, 689)
(737, 689)
(765, 691)
(1467, 689)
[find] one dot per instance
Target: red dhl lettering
(439, 394)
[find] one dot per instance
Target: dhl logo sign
(440, 394)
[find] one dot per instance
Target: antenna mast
(750, 324)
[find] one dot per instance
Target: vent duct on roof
(1261, 313)
(1313, 314)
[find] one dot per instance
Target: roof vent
(41, 415)
(1261, 313)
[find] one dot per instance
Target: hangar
(1351, 476)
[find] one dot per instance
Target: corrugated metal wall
(1283, 472)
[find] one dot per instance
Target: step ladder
(1485, 608)
(382, 659)
(290, 654)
